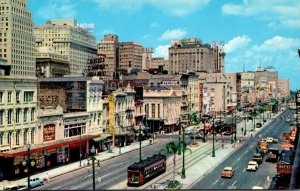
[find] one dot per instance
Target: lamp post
(80, 151)
(245, 118)
(213, 150)
(179, 133)
(140, 139)
(235, 126)
(183, 152)
(28, 164)
(93, 159)
(232, 128)
(119, 136)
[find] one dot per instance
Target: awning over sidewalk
(101, 137)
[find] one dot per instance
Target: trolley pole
(213, 154)
(183, 152)
(179, 133)
(140, 143)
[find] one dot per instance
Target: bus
(141, 172)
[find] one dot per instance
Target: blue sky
(253, 31)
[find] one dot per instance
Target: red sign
(49, 132)
(284, 168)
(200, 97)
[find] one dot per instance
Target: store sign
(200, 97)
(298, 107)
(169, 83)
(49, 132)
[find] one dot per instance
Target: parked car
(252, 166)
(270, 139)
(258, 125)
(227, 172)
(34, 182)
(197, 136)
(287, 120)
(257, 188)
(15, 187)
(258, 158)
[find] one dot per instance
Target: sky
(254, 32)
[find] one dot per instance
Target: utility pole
(213, 154)
(179, 133)
(183, 161)
(140, 139)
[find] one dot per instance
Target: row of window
(8, 96)
(13, 138)
(10, 116)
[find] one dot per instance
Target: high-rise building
(109, 47)
(284, 87)
(130, 56)
(190, 55)
(218, 56)
(16, 38)
(66, 38)
(147, 58)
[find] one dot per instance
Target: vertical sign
(200, 97)
(298, 108)
(111, 114)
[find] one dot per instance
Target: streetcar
(147, 169)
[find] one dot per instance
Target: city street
(113, 172)
(239, 160)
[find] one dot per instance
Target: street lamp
(232, 127)
(140, 139)
(93, 159)
(183, 161)
(213, 154)
(28, 165)
(179, 133)
(235, 126)
(119, 137)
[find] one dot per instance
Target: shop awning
(101, 138)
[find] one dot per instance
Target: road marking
(216, 181)
(56, 188)
(87, 176)
(233, 183)
(239, 159)
(244, 169)
(236, 168)
(223, 183)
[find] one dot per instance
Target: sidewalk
(75, 165)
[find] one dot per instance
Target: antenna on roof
(259, 62)
(244, 68)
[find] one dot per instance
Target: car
(275, 140)
(258, 158)
(14, 187)
(263, 140)
(34, 182)
(258, 125)
(252, 166)
(227, 172)
(257, 188)
(270, 139)
(287, 120)
(197, 136)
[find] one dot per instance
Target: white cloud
(237, 43)
(162, 51)
(276, 44)
(173, 34)
(108, 31)
(57, 9)
(282, 12)
(171, 7)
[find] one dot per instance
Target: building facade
(284, 87)
(190, 55)
(109, 47)
(130, 56)
(66, 38)
(16, 38)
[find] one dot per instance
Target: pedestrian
(222, 145)
(251, 135)
(256, 150)
(242, 129)
(216, 140)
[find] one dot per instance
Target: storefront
(44, 156)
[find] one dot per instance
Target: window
(153, 110)
(32, 114)
(9, 94)
(8, 138)
(1, 97)
(1, 139)
(17, 137)
(158, 110)
(18, 97)
(18, 112)
(9, 116)
(25, 115)
(1, 117)
(32, 136)
(28, 97)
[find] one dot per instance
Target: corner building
(16, 37)
(67, 39)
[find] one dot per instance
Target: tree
(193, 117)
(174, 148)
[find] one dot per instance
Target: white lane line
(233, 183)
(216, 181)
(87, 176)
(239, 159)
(223, 183)
(244, 169)
(56, 188)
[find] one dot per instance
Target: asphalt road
(111, 172)
(239, 160)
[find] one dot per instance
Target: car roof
(254, 162)
(228, 168)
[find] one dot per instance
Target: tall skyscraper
(17, 43)
(190, 55)
(109, 47)
(67, 39)
(130, 56)
(218, 56)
